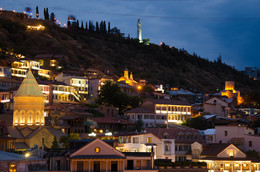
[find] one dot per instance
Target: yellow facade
(128, 80)
(28, 111)
(230, 92)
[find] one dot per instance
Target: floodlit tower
(139, 31)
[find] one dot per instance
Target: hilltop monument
(139, 31)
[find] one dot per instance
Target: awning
(150, 144)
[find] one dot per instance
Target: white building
(160, 112)
(148, 142)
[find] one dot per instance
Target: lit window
(97, 149)
(149, 139)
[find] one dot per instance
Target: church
(28, 124)
(128, 79)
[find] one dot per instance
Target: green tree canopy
(112, 95)
(55, 144)
(65, 140)
(199, 123)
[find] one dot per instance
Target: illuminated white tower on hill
(139, 31)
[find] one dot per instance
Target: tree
(77, 23)
(82, 26)
(44, 13)
(104, 27)
(139, 125)
(97, 27)
(111, 94)
(252, 154)
(68, 25)
(37, 12)
(55, 144)
(86, 26)
(115, 31)
(65, 140)
(199, 123)
(108, 29)
(52, 17)
(47, 14)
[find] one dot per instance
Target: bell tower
(29, 103)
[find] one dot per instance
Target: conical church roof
(29, 87)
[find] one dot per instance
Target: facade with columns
(99, 156)
(28, 126)
(28, 103)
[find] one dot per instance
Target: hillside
(157, 64)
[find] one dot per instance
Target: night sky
(207, 27)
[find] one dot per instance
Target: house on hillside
(166, 143)
(160, 112)
(226, 157)
(98, 155)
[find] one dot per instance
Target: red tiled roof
(169, 102)
(214, 149)
(140, 110)
(112, 120)
(4, 79)
(177, 133)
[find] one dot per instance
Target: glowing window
(97, 149)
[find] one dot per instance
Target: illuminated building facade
(58, 92)
(226, 157)
(230, 92)
(128, 79)
(20, 68)
(160, 112)
(28, 103)
(45, 73)
(39, 28)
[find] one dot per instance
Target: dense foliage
(199, 123)
(112, 95)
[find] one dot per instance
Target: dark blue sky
(206, 27)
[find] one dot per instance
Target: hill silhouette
(113, 52)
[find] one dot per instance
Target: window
(231, 152)
(149, 139)
(146, 116)
(139, 116)
(250, 143)
(167, 147)
(151, 116)
(97, 149)
(135, 139)
(226, 133)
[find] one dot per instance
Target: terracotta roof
(179, 134)
(112, 120)
(20, 145)
(3, 63)
(137, 154)
(140, 110)
(47, 82)
(214, 149)
(29, 87)
(57, 133)
(97, 157)
(169, 102)
(4, 79)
